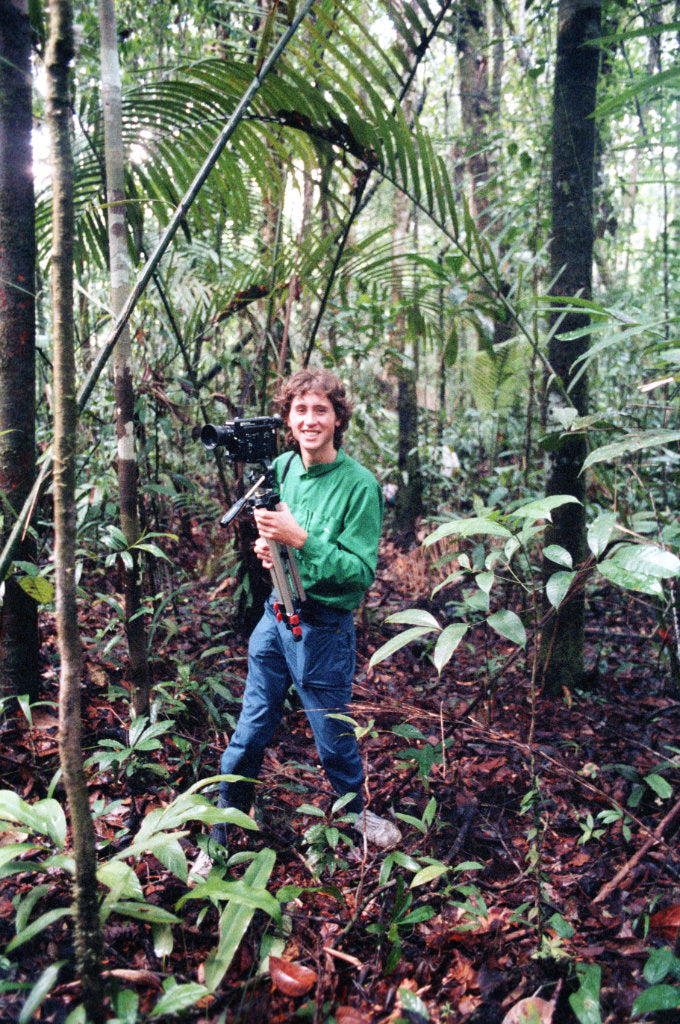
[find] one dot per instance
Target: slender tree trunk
(19, 615)
(135, 628)
(571, 251)
(88, 944)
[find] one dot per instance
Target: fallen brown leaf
(290, 978)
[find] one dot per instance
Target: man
(331, 514)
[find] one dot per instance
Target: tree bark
(88, 944)
(571, 255)
(19, 615)
(135, 628)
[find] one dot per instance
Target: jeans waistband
(314, 613)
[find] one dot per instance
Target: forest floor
(577, 831)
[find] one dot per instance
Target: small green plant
(322, 839)
(130, 758)
(662, 973)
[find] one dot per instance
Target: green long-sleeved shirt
(340, 505)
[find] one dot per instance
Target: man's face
(312, 422)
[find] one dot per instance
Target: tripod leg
(282, 588)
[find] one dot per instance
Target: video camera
(245, 440)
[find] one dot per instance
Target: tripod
(284, 572)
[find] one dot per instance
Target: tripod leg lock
(292, 621)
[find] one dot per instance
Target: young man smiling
(331, 514)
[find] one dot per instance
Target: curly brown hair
(324, 383)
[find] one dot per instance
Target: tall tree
(88, 943)
(122, 357)
(19, 637)
(571, 256)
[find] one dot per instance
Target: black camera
(245, 440)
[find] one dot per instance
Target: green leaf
(120, 879)
(646, 559)
(414, 617)
(630, 580)
(557, 587)
(658, 997)
(508, 625)
(236, 918)
(37, 587)
(40, 991)
(162, 939)
(144, 912)
(542, 508)
(397, 642)
(661, 787)
(35, 927)
(476, 526)
(661, 963)
(560, 926)
(600, 532)
(559, 555)
(412, 1003)
(585, 1002)
(428, 874)
(485, 581)
(179, 998)
(310, 809)
(447, 643)
(634, 442)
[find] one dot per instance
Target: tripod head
(268, 498)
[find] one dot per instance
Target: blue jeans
(321, 667)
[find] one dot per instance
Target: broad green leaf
(485, 581)
(557, 587)
(661, 786)
(179, 998)
(647, 559)
(476, 526)
(45, 817)
(656, 998)
(120, 879)
(542, 508)
(634, 442)
(600, 532)
(447, 644)
(413, 1004)
(585, 1002)
(249, 896)
(428, 874)
(414, 617)
(235, 919)
(561, 926)
(559, 555)
(630, 580)
(172, 856)
(147, 912)
(509, 625)
(37, 587)
(661, 963)
(397, 642)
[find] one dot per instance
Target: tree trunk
(135, 628)
(19, 615)
(571, 254)
(408, 504)
(87, 929)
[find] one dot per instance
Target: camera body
(244, 440)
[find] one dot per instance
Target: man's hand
(280, 526)
(261, 549)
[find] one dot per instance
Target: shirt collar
(319, 469)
